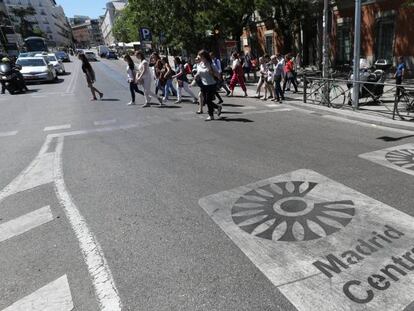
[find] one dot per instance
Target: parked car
(111, 55)
(57, 64)
(63, 56)
(103, 50)
(91, 56)
(36, 69)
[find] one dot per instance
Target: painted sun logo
(403, 158)
(287, 211)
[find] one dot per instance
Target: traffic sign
(145, 34)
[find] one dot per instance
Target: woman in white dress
(144, 78)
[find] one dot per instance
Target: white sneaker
(131, 103)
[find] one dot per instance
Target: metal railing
(336, 93)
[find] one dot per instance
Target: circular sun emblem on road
(403, 158)
(286, 211)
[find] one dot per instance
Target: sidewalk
(380, 115)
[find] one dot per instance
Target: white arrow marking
(25, 223)
(52, 297)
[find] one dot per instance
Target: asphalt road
(126, 228)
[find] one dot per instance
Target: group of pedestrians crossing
(207, 75)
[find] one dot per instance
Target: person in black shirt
(90, 76)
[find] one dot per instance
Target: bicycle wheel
(405, 107)
(315, 92)
(336, 96)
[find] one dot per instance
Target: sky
(91, 8)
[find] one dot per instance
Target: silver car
(37, 69)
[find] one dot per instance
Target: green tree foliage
(189, 23)
(25, 26)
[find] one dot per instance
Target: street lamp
(357, 52)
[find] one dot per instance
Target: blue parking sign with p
(145, 34)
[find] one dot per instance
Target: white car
(57, 64)
(91, 56)
(36, 69)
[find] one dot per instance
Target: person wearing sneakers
(207, 74)
(278, 73)
(131, 72)
(238, 75)
(90, 76)
(144, 77)
(182, 81)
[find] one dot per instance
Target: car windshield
(52, 59)
(90, 53)
(60, 54)
(33, 62)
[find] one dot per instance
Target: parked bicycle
(404, 105)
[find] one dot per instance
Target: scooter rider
(16, 71)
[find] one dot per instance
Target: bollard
(305, 88)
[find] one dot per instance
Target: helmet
(5, 60)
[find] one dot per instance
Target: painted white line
(104, 122)
(57, 127)
(6, 134)
(272, 105)
(182, 113)
(25, 223)
(324, 245)
(247, 108)
(51, 297)
(400, 158)
(104, 284)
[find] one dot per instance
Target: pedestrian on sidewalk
(399, 74)
(90, 76)
(144, 78)
(132, 72)
(182, 81)
(278, 74)
(289, 74)
(238, 75)
(207, 74)
(167, 74)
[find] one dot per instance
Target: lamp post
(325, 52)
(357, 54)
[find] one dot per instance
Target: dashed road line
(7, 134)
(57, 127)
(104, 122)
(25, 223)
(51, 297)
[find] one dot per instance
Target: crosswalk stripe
(51, 297)
(6, 134)
(247, 108)
(25, 223)
(104, 122)
(57, 127)
(272, 105)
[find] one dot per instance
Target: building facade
(112, 10)
(49, 19)
(9, 40)
(87, 34)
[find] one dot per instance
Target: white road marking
(185, 113)
(25, 223)
(400, 158)
(247, 108)
(71, 87)
(57, 127)
(324, 245)
(51, 297)
(272, 105)
(104, 122)
(105, 289)
(7, 134)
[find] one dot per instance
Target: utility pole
(357, 54)
(325, 48)
(325, 52)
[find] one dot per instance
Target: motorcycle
(373, 89)
(11, 79)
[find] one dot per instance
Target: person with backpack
(238, 75)
(182, 81)
(131, 72)
(90, 76)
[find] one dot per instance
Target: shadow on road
(109, 100)
(391, 139)
(243, 120)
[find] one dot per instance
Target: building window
(384, 43)
(344, 43)
(269, 44)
